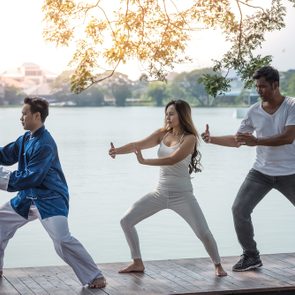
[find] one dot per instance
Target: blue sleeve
(9, 153)
(35, 171)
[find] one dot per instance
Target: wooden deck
(181, 276)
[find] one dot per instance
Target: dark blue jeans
(252, 191)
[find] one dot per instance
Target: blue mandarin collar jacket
(39, 178)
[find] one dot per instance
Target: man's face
(29, 120)
(265, 89)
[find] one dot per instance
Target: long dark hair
(184, 112)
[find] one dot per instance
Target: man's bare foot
(136, 266)
(219, 271)
(98, 283)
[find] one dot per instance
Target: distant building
(29, 79)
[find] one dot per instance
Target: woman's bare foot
(136, 266)
(219, 271)
(98, 283)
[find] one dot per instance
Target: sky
(22, 41)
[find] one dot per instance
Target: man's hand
(206, 135)
(112, 151)
(246, 139)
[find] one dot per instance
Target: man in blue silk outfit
(42, 192)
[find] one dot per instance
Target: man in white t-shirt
(273, 120)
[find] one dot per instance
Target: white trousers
(184, 203)
(66, 246)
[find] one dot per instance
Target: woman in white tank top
(178, 157)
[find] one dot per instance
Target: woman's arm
(148, 142)
(185, 148)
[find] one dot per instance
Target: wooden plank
(168, 277)
(6, 288)
(43, 277)
(179, 276)
(116, 282)
(64, 276)
(202, 272)
(12, 276)
(48, 278)
(25, 282)
(137, 283)
(62, 280)
(213, 283)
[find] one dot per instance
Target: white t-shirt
(272, 160)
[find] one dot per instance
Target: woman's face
(171, 117)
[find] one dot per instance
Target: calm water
(102, 189)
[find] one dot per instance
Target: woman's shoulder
(189, 136)
(161, 132)
(189, 139)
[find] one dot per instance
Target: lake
(102, 189)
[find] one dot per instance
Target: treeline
(121, 91)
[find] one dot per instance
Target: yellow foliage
(152, 31)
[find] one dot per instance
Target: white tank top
(175, 177)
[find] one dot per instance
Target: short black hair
(38, 104)
(269, 73)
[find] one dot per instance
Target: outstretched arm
(9, 153)
(286, 137)
(184, 149)
(226, 140)
(33, 174)
(148, 142)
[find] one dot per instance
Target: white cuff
(4, 178)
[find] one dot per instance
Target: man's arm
(286, 137)
(35, 171)
(9, 153)
(226, 140)
(8, 157)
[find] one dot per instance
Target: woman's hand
(112, 151)
(139, 156)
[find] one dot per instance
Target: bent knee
(239, 211)
(63, 239)
(126, 222)
(235, 209)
